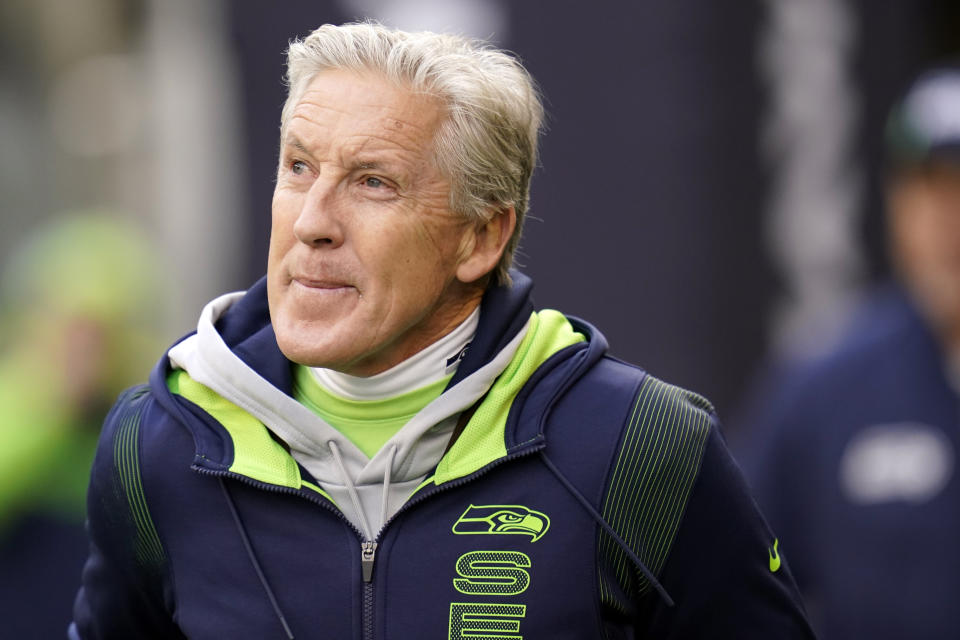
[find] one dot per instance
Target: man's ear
(485, 243)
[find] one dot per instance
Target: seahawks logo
(502, 519)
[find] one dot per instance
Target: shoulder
(650, 458)
(657, 460)
(661, 441)
(138, 435)
(141, 448)
(637, 406)
(126, 582)
(636, 443)
(139, 429)
(677, 499)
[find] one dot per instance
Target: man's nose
(319, 223)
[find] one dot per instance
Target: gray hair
(486, 145)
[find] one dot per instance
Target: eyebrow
(387, 167)
(365, 164)
(294, 141)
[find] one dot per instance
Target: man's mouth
(321, 285)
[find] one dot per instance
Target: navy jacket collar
(246, 328)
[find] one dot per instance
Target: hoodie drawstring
(608, 529)
(351, 489)
(253, 559)
(386, 484)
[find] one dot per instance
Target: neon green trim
(255, 454)
(425, 483)
(258, 456)
(310, 485)
(369, 424)
(483, 439)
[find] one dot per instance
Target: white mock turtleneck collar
(433, 363)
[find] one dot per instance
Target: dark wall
(648, 200)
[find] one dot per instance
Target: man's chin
(304, 342)
(309, 357)
(304, 347)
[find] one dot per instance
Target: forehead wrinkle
(305, 104)
(377, 134)
(392, 115)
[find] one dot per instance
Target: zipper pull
(367, 551)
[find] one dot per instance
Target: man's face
(364, 249)
(924, 210)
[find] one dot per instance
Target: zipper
(368, 548)
(367, 611)
(368, 552)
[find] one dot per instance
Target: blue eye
(375, 183)
(298, 167)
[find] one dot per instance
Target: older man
(384, 439)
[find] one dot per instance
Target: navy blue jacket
(853, 458)
(611, 510)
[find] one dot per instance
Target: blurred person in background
(77, 306)
(854, 455)
(383, 438)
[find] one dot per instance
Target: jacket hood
(246, 328)
(235, 372)
(504, 311)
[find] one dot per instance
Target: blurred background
(709, 191)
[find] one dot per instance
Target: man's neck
(425, 367)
